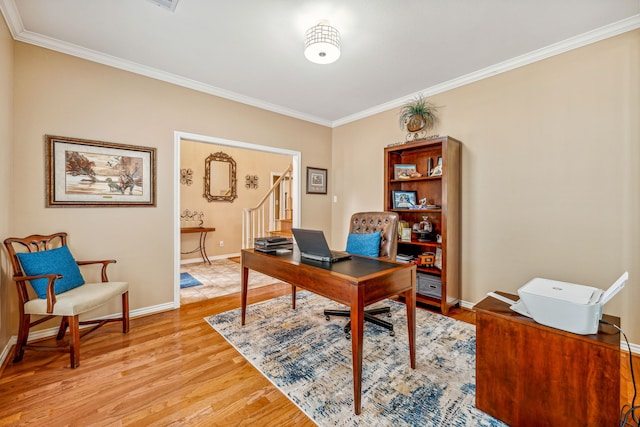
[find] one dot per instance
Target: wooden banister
(255, 220)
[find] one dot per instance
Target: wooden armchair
(46, 263)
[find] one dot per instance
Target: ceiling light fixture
(322, 44)
(166, 4)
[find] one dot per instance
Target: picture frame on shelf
(403, 171)
(85, 173)
(316, 180)
(438, 259)
(404, 199)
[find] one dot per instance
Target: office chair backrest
(384, 222)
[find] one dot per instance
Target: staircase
(255, 221)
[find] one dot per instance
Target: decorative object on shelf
(186, 176)
(84, 173)
(322, 43)
(424, 230)
(427, 259)
(437, 171)
(191, 219)
(404, 199)
(403, 225)
(251, 181)
(220, 178)
(417, 117)
(316, 180)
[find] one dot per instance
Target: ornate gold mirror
(219, 178)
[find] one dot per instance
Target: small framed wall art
(316, 181)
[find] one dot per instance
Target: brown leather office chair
(61, 291)
(371, 222)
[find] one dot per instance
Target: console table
(528, 374)
(203, 237)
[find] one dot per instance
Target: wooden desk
(203, 238)
(357, 282)
(529, 374)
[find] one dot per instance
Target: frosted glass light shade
(322, 44)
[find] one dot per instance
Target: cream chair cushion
(78, 300)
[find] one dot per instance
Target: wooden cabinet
(528, 374)
(437, 285)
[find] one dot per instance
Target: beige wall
(550, 174)
(225, 216)
(62, 95)
(6, 135)
(550, 166)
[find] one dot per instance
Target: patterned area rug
(309, 360)
(220, 278)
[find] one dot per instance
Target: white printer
(567, 306)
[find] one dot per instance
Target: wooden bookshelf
(443, 192)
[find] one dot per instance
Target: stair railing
(255, 220)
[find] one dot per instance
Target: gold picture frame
(86, 173)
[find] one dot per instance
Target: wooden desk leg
(357, 335)
(410, 302)
(243, 291)
(293, 297)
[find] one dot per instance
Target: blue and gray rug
(309, 359)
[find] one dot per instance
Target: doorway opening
(222, 215)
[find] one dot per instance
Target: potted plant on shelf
(418, 115)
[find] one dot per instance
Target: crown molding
(11, 15)
(16, 27)
(611, 30)
(154, 73)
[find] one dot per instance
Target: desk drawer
(429, 285)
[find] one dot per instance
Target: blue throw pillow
(53, 261)
(364, 244)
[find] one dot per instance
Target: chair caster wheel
(392, 334)
(327, 318)
(388, 314)
(348, 336)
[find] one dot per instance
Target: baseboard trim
(211, 258)
(47, 333)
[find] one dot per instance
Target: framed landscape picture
(403, 171)
(84, 173)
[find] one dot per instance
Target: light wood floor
(171, 369)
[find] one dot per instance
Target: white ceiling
(252, 50)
